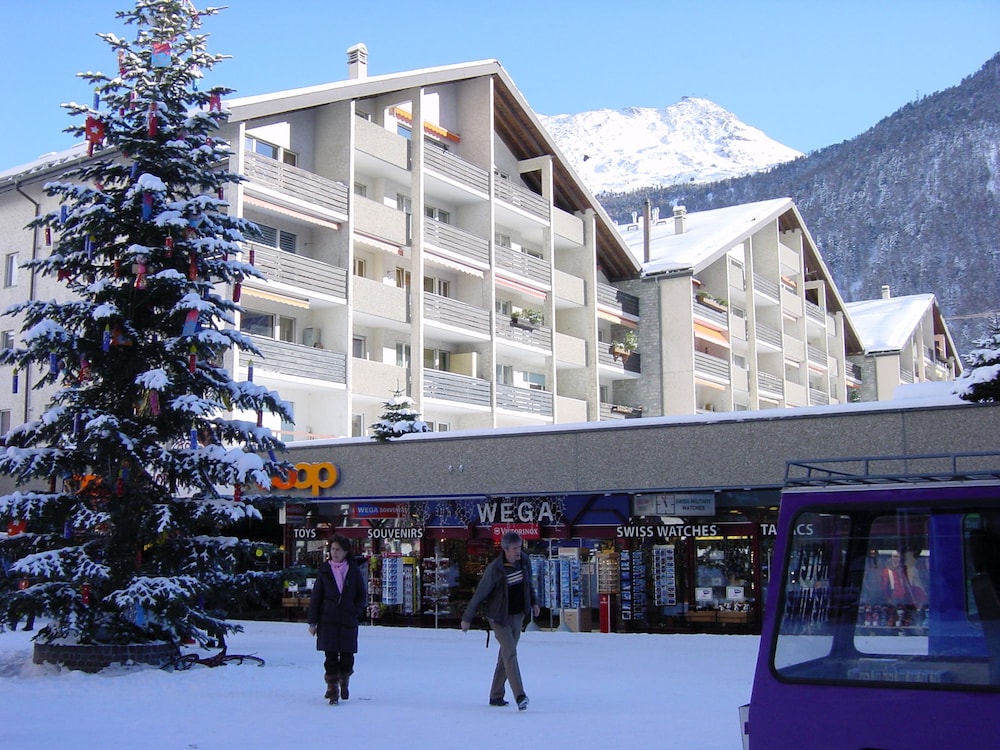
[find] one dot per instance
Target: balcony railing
(306, 186)
(449, 386)
(709, 311)
(818, 397)
(815, 312)
(633, 363)
(768, 335)
(523, 264)
(905, 375)
(714, 367)
(286, 358)
(770, 383)
(524, 399)
(457, 168)
(459, 314)
(816, 355)
(619, 411)
(448, 237)
(766, 286)
(524, 333)
(298, 270)
(522, 198)
(616, 299)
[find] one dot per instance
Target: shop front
(613, 562)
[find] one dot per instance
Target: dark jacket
(492, 591)
(336, 613)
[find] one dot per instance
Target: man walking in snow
(506, 593)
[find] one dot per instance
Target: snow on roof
(707, 235)
(888, 324)
(43, 163)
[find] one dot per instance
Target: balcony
(386, 146)
(522, 198)
(770, 383)
(768, 335)
(615, 299)
(619, 411)
(455, 240)
(524, 333)
(816, 355)
(766, 287)
(296, 360)
(375, 302)
(454, 313)
(528, 400)
(298, 183)
(523, 264)
(713, 367)
(299, 271)
(818, 397)
(457, 169)
(815, 312)
(605, 358)
(448, 386)
(380, 221)
(711, 311)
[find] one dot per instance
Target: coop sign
(512, 511)
(313, 477)
(672, 531)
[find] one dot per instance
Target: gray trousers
(508, 633)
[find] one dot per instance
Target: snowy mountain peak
(693, 140)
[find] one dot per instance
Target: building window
(10, 270)
(268, 325)
(360, 267)
(7, 340)
(440, 287)
(505, 375)
(504, 307)
(402, 278)
(4, 423)
(402, 354)
(404, 203)
(361, 189)
(501, 239)
(359, 347)
(277, 238)
(438, 214)
(257, 146)
(437, 359)
(357, 425)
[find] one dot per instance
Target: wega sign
(312, 477)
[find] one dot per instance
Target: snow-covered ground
(412, 688)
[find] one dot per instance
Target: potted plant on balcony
(526, 319)
(624, 346)
(716, 303)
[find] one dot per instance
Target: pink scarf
(339, 573)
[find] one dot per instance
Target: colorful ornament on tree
(147, 206)
(160, 57)
(94, 133)
(97, 98)
(237, 493)
(13, 385)
(215, 103)
(85, 594)
(250, 371)
(168, 245)
(53, 364)
(193, 267)
(140, 274)
(237, 290)
(48, 236)
(190, 323)
(152, 119)
(192, 359)
(194, 438)
(106, 339)
(154, 403)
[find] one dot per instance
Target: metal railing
(815, 312)
(459, 314)
(306, 186)
(605, 357)
(298, 270)
(818, 397)
(616, 299)
(709, 312)
(715, 367)
(768, 335)
(457, 168)
(766, 286)
(815, 354)
(448, 237)
(528, 400)
(770, 383)
(522, 198)
(523, 264)
(449, 386)
(523, 333)
(286, 358)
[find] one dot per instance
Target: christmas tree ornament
(48, 236)
(237, 493)
(85, 594)
(63, 214)
(154, 403)
(106, 339)
(250, 370)
(13, 385)
(193, 436)
(193, 267)
(53, 364)
(97, 98)
(237, 289)
(192, 359)
(160, 57)
(152, 119)
(168, 245)
(94, 133)
(121, 62)
(147, 206)
(215, 103)
(190, 323)
(140, 272)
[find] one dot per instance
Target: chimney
(656, 214)
(357, 61)
(886, 292)
(680, 219)
(646, 212)
(635, 217)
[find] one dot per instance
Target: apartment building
(420, 234)
(739, 312)
(906, 341)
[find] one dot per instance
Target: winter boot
(332, 689)
(345, 683)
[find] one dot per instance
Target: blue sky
(808, 74)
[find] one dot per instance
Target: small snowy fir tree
(399, 418)
(982, 381)
(128, 480)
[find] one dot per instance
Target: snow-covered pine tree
(398, 418)
(982, 381)
(141, 460)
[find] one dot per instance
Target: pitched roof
(709, 235)
(886, 325)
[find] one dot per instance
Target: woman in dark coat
(338, 601)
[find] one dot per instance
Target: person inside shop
(897, 588)
(506, 594)
(335, 610)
